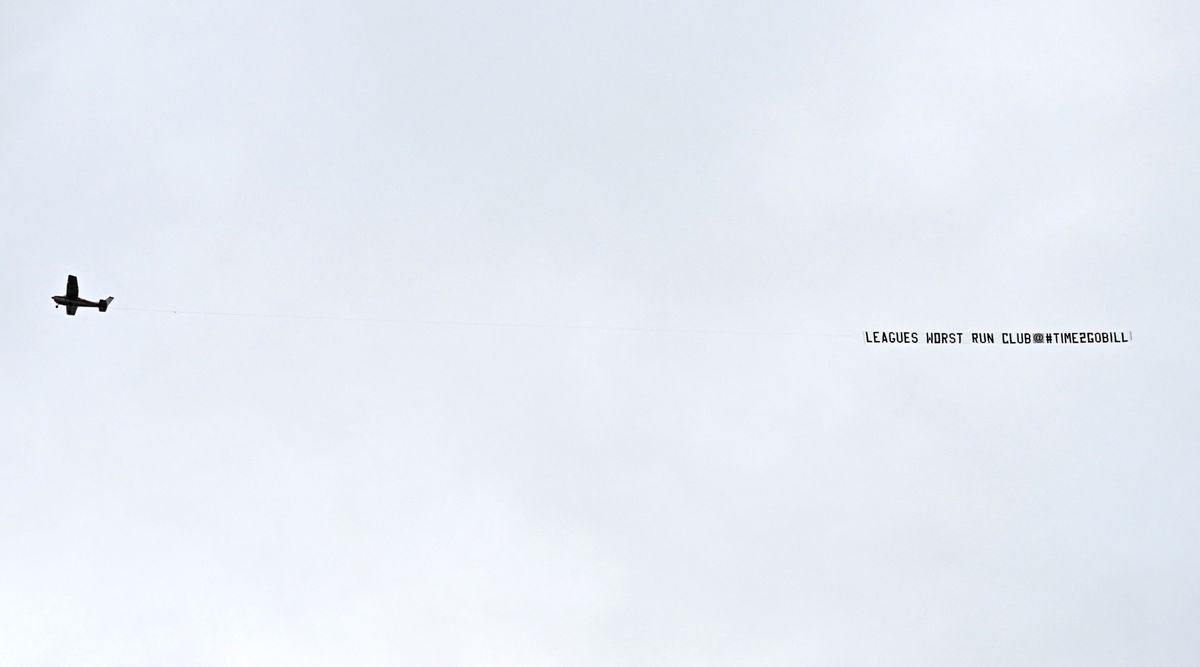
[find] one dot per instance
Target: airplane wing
(71, 310)
(72, 289)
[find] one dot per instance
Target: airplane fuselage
(78, 303)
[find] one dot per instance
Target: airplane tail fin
(104, 304)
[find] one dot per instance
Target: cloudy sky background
(210, 490)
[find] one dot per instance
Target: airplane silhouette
(72, 301)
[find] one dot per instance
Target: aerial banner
(997, 338)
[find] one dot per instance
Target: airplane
(72, 301)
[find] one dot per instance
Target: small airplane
(72, 301)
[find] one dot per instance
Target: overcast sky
(183, 489)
